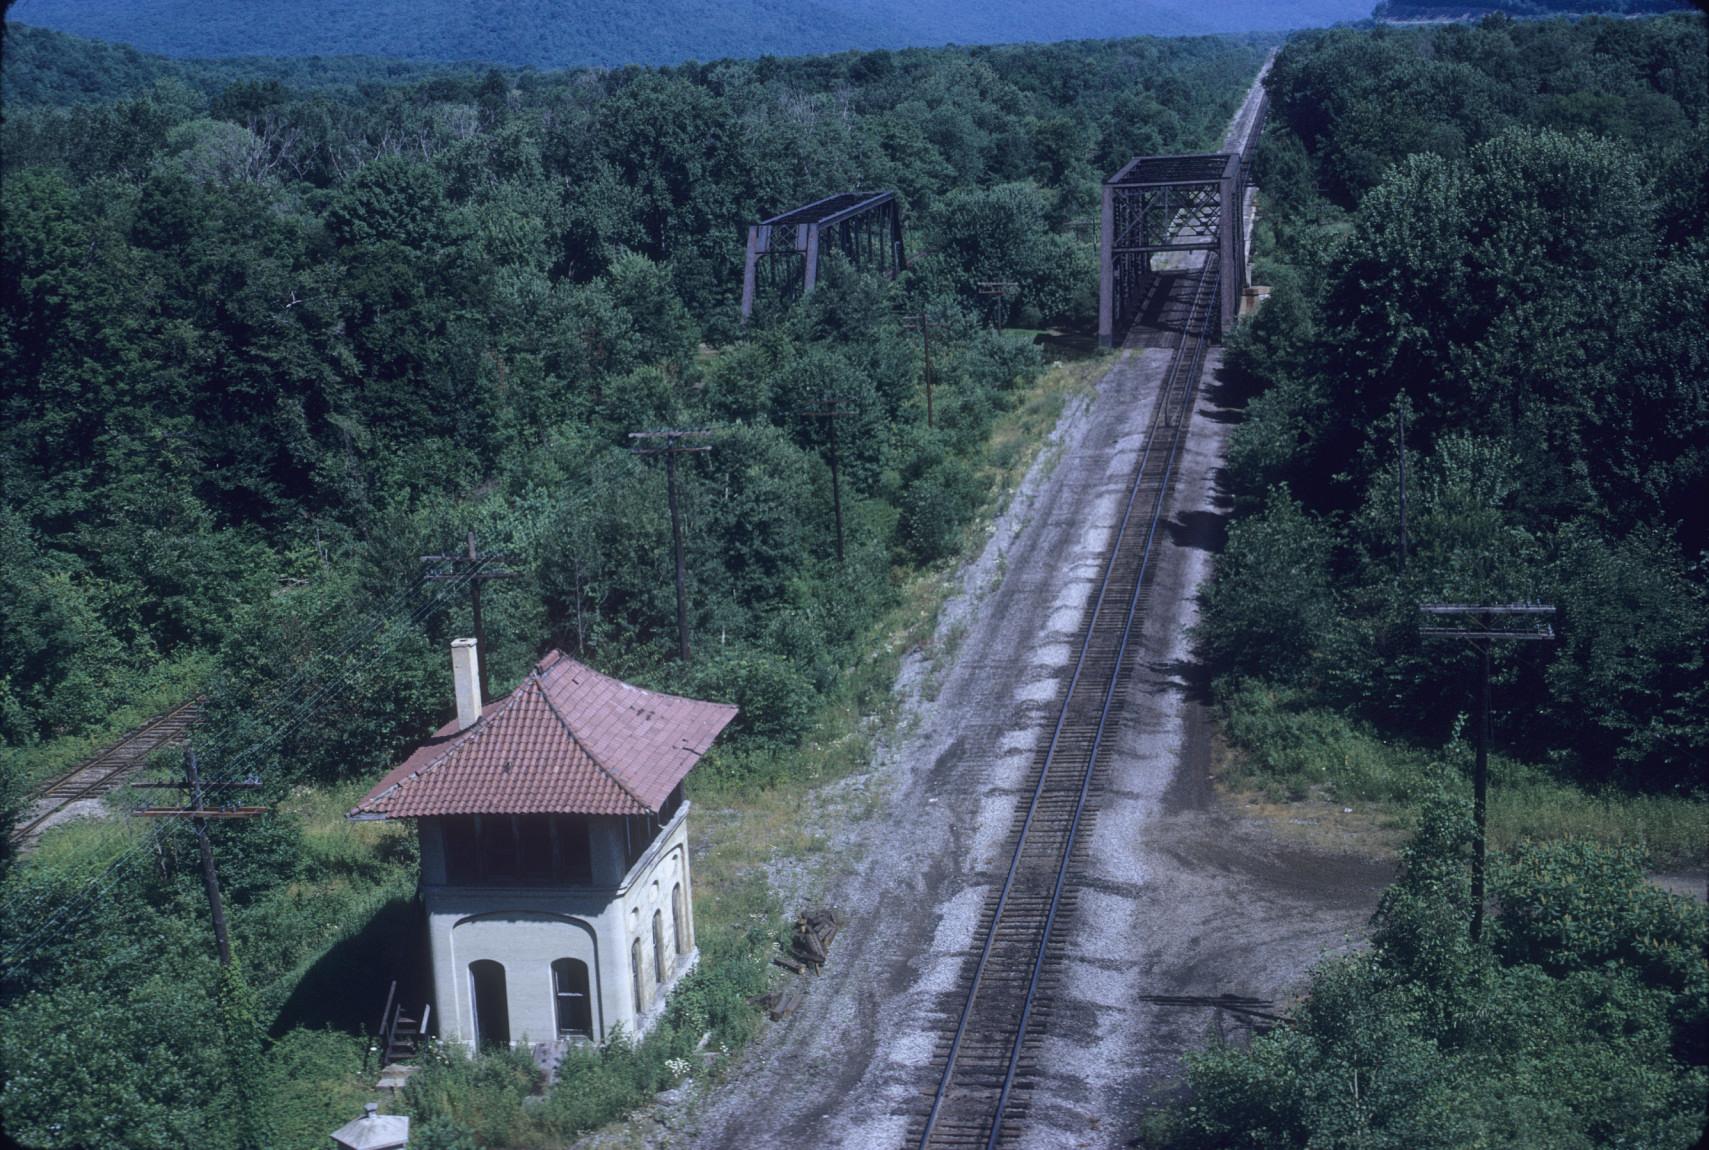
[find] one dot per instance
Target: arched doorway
(570, 992)
(491, 1003)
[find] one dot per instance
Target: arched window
(658, 947)
(679, 919)
(491, 1003)
(635, 972)
(570, 992)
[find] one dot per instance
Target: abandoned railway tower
(554, 852)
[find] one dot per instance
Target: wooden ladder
(400, 1035)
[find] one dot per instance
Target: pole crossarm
(249, 784)
(672, 437)
(1530, 621)
(199, 812)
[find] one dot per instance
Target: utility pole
(460, 566)
(832, 410)
(673, 446)
(199, 813)
(1400, 415)
(1483, 624)
(999, 290)
(924, 326)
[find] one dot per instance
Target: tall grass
(1287, 749)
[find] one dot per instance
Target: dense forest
(255, 330)
(271, 332)
(1497, 234)
(268, 346)
(550, 34)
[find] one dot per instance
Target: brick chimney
(465, 671)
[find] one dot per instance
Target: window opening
(570, 993)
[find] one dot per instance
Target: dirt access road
(1183, 899)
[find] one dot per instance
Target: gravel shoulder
(1182, 897)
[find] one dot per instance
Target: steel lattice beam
(1174, 204)
(785, 251)
(1169, 204)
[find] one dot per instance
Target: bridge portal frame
(1170, 204)
(865, 226)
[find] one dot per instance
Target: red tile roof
(567, 741)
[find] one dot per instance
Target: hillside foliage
(1496, 235)
(266, 347)
(610, 33)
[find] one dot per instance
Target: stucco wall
(526, 928)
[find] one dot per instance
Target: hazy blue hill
(1438, 9)
(42, 66)
(561, 33)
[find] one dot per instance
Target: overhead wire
(106, 874)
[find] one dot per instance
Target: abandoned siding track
(105, 771)
(987, 1058)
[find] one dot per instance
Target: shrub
(776, 700)
(1271, 598)
(935, 507)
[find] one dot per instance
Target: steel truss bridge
(1158, 204)
(1170, 204)
(784, 252)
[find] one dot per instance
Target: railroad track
(989, 1062)
(106, 771)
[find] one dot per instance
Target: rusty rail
(104, 771)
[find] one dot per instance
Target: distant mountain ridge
(1472, 9)
(568, 33)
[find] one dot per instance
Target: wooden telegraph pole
(832, 410)
(924, 326)
(1484, 624)
(459, 566)
(1400, 417)
(999, 290)
(673, 446)
(198, 812)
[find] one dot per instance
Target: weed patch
(1287, 754)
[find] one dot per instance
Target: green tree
(1272, 601)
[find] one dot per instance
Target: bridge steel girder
(1170, 204)
(866, 227)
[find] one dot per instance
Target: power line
(109, 866)
(108, 872)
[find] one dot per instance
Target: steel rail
(1195, 357)
(120, 758)
(1189, 353)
